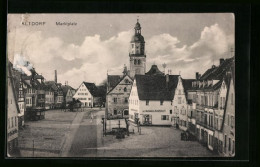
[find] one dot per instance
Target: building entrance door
(136, 118)
(147, 119)
(125, 112)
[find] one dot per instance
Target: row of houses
(30, 95)
(204, 106)
(211, 114)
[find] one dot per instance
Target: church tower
(137, 52)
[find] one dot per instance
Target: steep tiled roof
(9, 75)
(65, 89)
(38, 77)
(112, 81)
(154, 71)
(52, 84)
(92, 88)
(122, 78)
(218, 73)
(49, 87)
(153, 87)
(187, 84)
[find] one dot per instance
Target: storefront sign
(154, 110)
(133, 110)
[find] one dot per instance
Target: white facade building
(86, 93)
(153, 99)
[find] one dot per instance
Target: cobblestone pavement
(152, 142)
(78, 134)
(48, 134)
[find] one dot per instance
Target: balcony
(41, 100)
(205, 125)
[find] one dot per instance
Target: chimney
(55, 77)
(33, 75)
(167, 81)
(221, 61)
(197, 75)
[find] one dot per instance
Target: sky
(99, 43)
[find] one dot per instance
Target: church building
(119, 86)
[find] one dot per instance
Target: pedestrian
(139, 123)
(91, 116)
(127, 127)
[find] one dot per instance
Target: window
(225, 142)
(161, 102)
(139, 62)
(232, 121)
(115, 112)
(126, 100)
(183, 111)
(132, 45)
(232, 98)
(125, 89)
(179, 92)
(224, 101)
(229, 144)
(179, 100)
(14, 121)
(135, 61)
(165, 117)
(115, 100)
(233, 148)
(89, 98)
(228, 120)
(171, 103)
(170, 111)
(86, 93)
(147, 102)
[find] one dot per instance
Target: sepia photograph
(132, 85)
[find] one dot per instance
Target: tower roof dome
(137, 38)
(137, 26)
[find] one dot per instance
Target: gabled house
(68, 93)
(87, 93)
(12, 115)
(157, 100)
(117, 102)
(229, 117)
(59, 99)
(19, 93)
(49, 97)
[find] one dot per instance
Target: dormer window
(161, 102)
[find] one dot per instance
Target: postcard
(119, 85)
